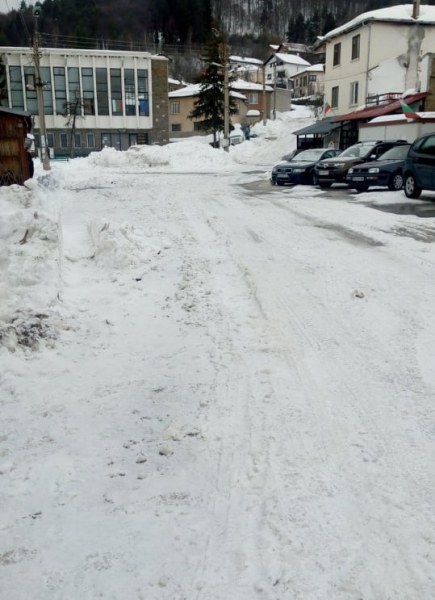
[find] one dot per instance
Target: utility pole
(264, 94)
(226, 99)
(39, 89)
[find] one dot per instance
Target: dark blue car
(300, 168)
(385, 171)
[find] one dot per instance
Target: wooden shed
(16, 163)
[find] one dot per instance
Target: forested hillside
(182, 23)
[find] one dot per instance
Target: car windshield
(396, 153)
(309, 155)
(361, 149)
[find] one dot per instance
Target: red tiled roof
(370, 112)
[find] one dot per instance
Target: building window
(142, 93)
(312, 78)
(46, 90)
(17, 95)
(74, 92)
(334, 97)
(31, 99)
(354, 92)
(176, 126)
(77, 140)
(59, 89)
(88, 91)
(355, 46)
(130, 92)
(175, 108)
(102, 92)
(337, 54)
(197, 126)
(116, 92)
(90, 140)
(64, 140)
(253, 98)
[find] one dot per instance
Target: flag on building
(326, 107)
(408, 111)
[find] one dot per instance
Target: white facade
(380, 52)
(112, 93)
(280, 68)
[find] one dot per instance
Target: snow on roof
(402, 117)
(193, 90)
(249, 61)
(292, 59)
(174, 81)
(401, 13)
(311, 68)
(253, 113)
(240, 84)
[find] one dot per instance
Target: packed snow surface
(212, 388)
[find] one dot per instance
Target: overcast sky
(7, 5)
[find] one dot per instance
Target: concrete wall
(160, 106)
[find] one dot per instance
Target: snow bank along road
(241, 407)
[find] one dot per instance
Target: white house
(309, 82)
(280, 67)
(377, 56)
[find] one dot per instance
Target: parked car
(300, 168)
(419, 169)
(332, 170)
(386, 170)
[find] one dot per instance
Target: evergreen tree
(209, 106)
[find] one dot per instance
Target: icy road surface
(240, 404)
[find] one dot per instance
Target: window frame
(334, 96)
(336, 58)
(354, 92)
(356, 47)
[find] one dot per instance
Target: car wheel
(324, 184)
(411, 189)
(314, 179)
(396, 182)
(272, 182)
(279, 183)
(361, 188)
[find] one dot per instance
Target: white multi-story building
(118, 98)
(378, 56)
(280, 67)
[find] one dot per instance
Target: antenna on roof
(416, 9)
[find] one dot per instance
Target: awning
(324, 126)
(370, 112)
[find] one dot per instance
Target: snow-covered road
(239, 404)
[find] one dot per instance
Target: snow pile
(29, 267)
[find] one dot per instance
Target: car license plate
(357, 178)
(323, 172)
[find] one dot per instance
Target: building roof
(291, 59)
(249, 86)
(322, 126)
(82, 52)
(247, 61)
(370, 112)
(193, 90)
(316, 68)
(394, 14)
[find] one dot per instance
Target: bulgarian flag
(408, 111)
(326, 107)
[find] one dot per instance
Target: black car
(419, 169)
(334, 170)
(387, 170)
(300, 168)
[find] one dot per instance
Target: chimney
(416, 9)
